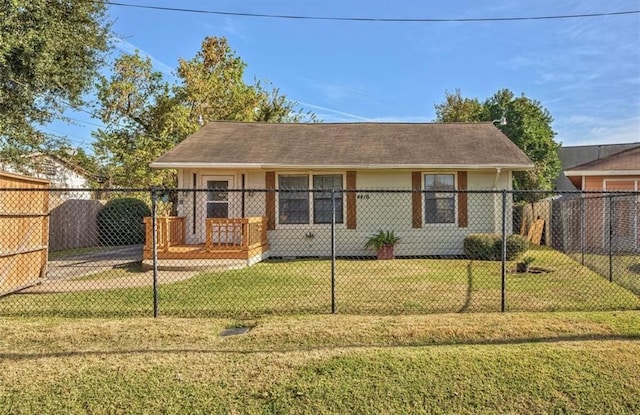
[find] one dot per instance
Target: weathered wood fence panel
(73, 223)
(24, 231)
(531, 212)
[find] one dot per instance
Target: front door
(219, 203)
(218, 198)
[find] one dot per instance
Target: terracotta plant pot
(385, 252)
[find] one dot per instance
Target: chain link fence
(250, 252)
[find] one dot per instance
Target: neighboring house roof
(572, 156)
(626, 162)
(340, 145)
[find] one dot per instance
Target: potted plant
(383, 242)
(523, 264)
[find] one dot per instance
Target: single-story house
(254, 157)
(61, 173)
(618, 172)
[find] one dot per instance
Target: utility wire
(373, 19)
(79, 140)
(73, 107)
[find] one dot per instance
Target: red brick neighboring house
(618, 172)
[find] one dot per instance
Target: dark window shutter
(351, 200)
(463, 215)
(270, 199)
(416, 199)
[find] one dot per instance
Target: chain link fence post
(154, 220)
(503, 271)
(583, 229)
(611, 238)
(333, 251)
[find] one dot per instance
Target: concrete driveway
(93, 262)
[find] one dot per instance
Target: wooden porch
(226, 238)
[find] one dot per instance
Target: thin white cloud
(403, 119)
(333, 114)
(587, 130)
(336, 91)
(232, 28)
(129, 47)
(583, 119)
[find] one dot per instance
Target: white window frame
(310, 175)
(455, 198)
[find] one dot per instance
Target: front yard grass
(362, 287)
(626, 268)
(448, 363)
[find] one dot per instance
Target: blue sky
(586, 71)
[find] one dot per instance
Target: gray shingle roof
(624, 160)
(364, 145)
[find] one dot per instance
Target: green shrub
(482, 246)
(488, 246)
(516, 245)
(120, 221)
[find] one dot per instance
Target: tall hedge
(120, 221)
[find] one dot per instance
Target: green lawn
(400, 286)
(626, 268)
(324, 364)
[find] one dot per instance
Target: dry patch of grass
(572, 362)
(584, 362)
(115, 273)
(309, 331)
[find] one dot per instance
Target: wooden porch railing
(233, 233)
(171, 232)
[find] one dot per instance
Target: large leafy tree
(528, 126)
(146, 116)
(49, 53)
(137, 108)
(457, 108)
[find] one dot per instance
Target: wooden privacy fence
(73, 223)
(535, 221)
(24, 231)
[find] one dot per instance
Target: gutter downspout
(497, 221)
(495, 181)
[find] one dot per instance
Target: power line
(374, 19)
(67, 103)
(82, 141)
(85, 122)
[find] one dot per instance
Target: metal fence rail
(250, 252)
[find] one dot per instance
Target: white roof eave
(371, 166)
